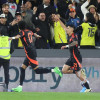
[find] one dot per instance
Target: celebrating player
(73, 64)
(27, 41)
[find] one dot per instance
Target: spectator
(12, 7)
(5, 10)
(22, 8)
(75, 21)
(88, 31)
(46, 8)
(4, 25)
(5, 58)
(5, 54)
(27, 16)
(60, 37)
(43, 30)
(14, 30)
(67, 12)
(28, 20)
(77, 7)
(28, 7)
(92, 9)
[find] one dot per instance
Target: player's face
(69, 30)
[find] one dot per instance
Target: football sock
(86, 85)
(41, 70)
(22, 76)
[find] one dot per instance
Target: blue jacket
(74, 21)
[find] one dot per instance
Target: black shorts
(74, 64)
(31, 61)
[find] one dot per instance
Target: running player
(27, 41)
(73, 64)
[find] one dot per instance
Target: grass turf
(48, 96)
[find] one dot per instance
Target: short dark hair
(22, 25)
(90, 18)
(18, 13)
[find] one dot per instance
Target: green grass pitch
(48, 96)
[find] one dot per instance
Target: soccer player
(27, 41)
(73, 64)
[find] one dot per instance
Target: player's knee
(64, 71)
(24, 66)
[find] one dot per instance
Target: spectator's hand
(37, 29)
(98, 1)
(34, 10)
(14, 22)
(88, 1)
(99, 16)
(96, 17)
(69, 6)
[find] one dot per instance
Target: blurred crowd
(39, 16)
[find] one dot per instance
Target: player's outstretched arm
(63, 47)
(37, 36)
(15, 37)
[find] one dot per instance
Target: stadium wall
(52, 82)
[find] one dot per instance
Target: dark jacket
(98, 8)
(14, 30)
(44, 32)
(9, 17)
(4, 29)
(74, 21)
